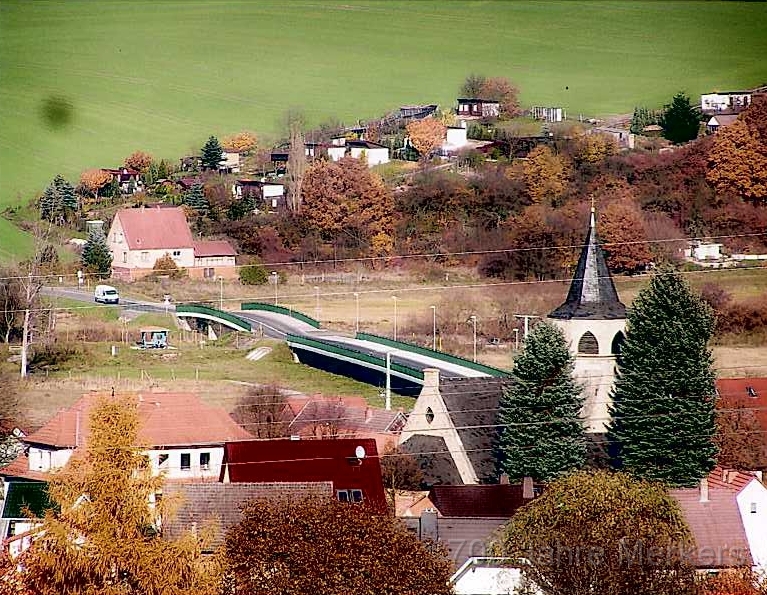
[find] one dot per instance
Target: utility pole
(473, 319)
(526, 318)
(434, 328)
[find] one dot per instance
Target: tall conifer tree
(541, 433)
(212, 154)
(96, 257)
(663, 400)
(195, 198)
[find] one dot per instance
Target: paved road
(278, 326)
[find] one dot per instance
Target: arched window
(588, 344)
(429, 415)
(617, 343)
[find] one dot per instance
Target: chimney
(527, 488)
(430, 378)
(504, 480)
(368, 415)
(704, 489)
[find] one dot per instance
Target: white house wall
(752, 503)
(172, 466)
(124, 257)
(374, 156)
(45, 459)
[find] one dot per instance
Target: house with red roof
(351, 465)
(184, 440)
(139, 237)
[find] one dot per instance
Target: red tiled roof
(717, 527)
(19, 467)
(264, 461)
(213, 248)
(479, 501)
(729, 479)
(167, 419)
(155, 229)
(351, 414)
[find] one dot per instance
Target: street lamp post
(357, 317)
(434, 328)
(516, 339)
(394, 297)
(473, 319)
(275, 281)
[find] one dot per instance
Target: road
(278, 326)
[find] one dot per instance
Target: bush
(165, 265)
(54, 356)
(253, 274)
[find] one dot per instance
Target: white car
(106, 294)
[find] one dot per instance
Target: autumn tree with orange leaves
(426, 135)
(321, 545)
(243, 142)
(621, 228)
(139, 161)
(345, 202)
(738, 162)
(93, 180)
(546, 175)
(103, 535)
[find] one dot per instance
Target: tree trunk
(25, 342)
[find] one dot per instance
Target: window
(177, 253)
(617, 343)
(209, 273)
(125, 257)
(162, 459)
(349, 495)
(429, 415)
(145, 257)
(753, 508)
(205, 461)
(588, 344)
(186, 461)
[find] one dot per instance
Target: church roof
(592, 294)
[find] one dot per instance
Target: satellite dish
(359, 452)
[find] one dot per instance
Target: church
(452, 428)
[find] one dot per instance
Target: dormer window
(751, 392)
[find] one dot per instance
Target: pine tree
(541, 434)
(195, 198)
(212, 154)
(663, 399)
(58, 200)
(680, 120)
(96, 257)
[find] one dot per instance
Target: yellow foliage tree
(138, 160)
(243, 142)
(94, 180)
(426, 135)
(594, 148)
(738, 162)
(103, 539)
(546, 175)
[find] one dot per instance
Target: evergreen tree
(58, 200)
(642, 117)
(680, 120)
(96, 256)
(541, 434)
(212, 154)
(195, 198)
(663, 399)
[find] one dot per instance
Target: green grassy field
(162, 75)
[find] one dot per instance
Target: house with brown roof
(139, 237)
(128, 179)
(184, 440)
(746, 399)
(344, 417)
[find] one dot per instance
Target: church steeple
(592, 294)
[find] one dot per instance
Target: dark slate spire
(592, 293)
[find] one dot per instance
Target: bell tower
(593, 320)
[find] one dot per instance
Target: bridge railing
(445, 357)
(352, 354)
(191, 309)
(264, 307)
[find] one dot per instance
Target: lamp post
(387, 394)
(473, 319)
(317, 302)
(433, 328)
(516, 339)
(357, 317)
(394, 297)
(275, 280)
